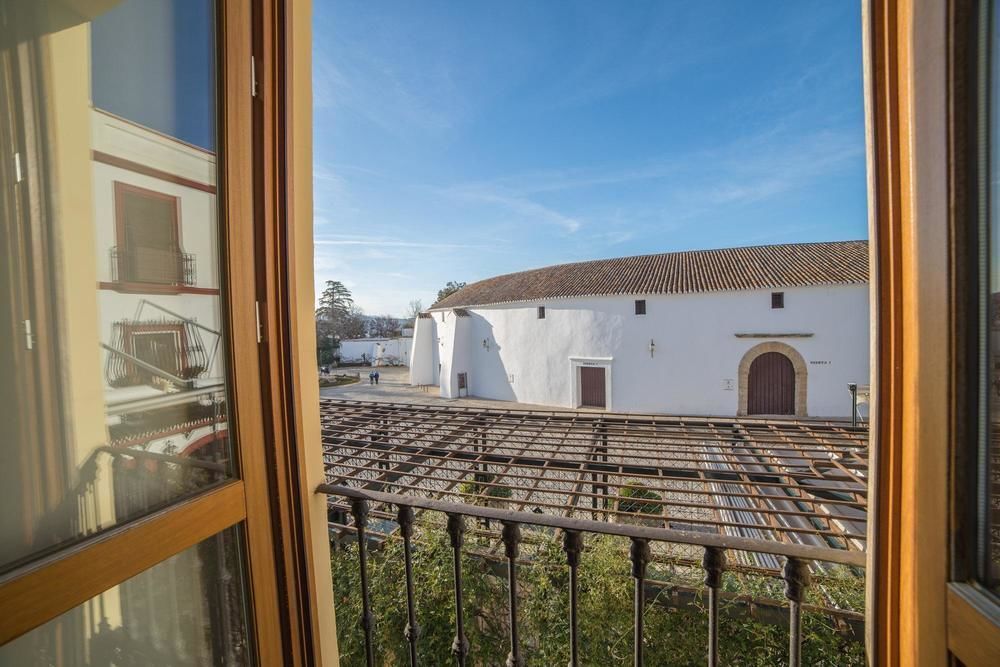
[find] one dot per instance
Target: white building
(774, 329)
(157, 244)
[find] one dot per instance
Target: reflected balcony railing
(152, 266)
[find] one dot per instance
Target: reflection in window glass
(112, 358)
(187, 610)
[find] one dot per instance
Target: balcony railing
(152, 266)
(784, 500)
(799, 560)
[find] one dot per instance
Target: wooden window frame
(267, 499)
(282, 141)
(972, 613)
(919, 610)
(777, 300)
(541, 312)
(640, 306)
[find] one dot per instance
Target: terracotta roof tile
(728, 269)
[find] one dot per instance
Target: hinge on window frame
(253, 77)
(260, 329)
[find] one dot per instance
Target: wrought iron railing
(155, 266)
(799, 560)
(157, 350)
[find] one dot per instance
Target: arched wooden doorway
(771, 385)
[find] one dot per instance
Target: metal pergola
(790, 481)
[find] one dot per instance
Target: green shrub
(480, 485)
(632, 495)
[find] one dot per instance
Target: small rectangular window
(640, 306)
(777, 299)
(541, 312)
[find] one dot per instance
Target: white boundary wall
(376, 351)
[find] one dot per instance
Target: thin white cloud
(515, 202)
(392, 243)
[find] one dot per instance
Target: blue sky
(461, 140)
(151, 63)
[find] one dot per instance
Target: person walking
(371, 377)
(376, 377)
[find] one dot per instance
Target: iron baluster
(359, 508)
(459, 647)
(511, 536)
(412, 631)
(573, 546)
(796, 576)
(714, 562)
(639, 555)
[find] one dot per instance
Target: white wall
(455, 335)
(424, 353)
(198, 209)
(381, 351)
(697, 352)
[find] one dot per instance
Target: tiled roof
(728, 269)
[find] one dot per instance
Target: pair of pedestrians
(373, 377)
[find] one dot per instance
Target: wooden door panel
(592, 387)
(771, 389)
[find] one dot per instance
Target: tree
(337, 318)
(449, 289)
(352, 323)
(414, 309)
(335, 301)
(383, 326)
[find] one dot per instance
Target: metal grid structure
(794, 482)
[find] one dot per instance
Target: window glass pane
(112, 354)
(187, 610)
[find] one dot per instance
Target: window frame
(281, 627)
(777, 300)
(973, 612)
(917, 612)
(541, 313)
(640, 306)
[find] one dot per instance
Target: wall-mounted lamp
(652, 348)
(486, 344)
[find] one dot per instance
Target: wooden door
(592, 391)
(771, 386)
